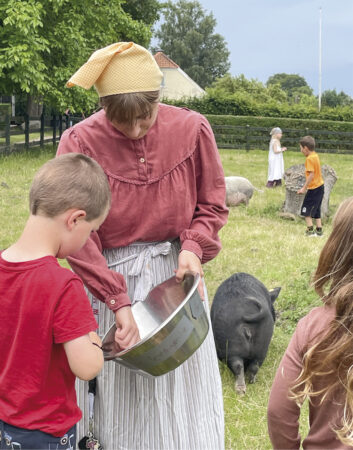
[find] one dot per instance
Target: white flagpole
(320, 56)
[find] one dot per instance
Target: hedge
(253, 132)
(282, 122)
(224, 105)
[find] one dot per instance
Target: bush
(238, 104)
(307, 125)
(257, 133)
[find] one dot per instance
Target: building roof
(164, 62)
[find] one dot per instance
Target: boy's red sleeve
(73, 316)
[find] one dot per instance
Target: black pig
(243, 317)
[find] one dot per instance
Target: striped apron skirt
(181, 410)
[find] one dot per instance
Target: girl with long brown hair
(318, 363)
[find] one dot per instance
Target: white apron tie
(142, 267)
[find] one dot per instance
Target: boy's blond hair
(70, 181)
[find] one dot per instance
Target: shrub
(241, 104)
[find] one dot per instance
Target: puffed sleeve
(89, 263)
(211, 212)
(283, 413)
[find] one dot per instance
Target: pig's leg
(237, 367)
(252, 371)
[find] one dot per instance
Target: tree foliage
(332, 98)
(251, 89)
(240, 96)
(43, 42)
(146, 11)
(187, 36)
(294, 85)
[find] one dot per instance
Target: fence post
(60, 125)
(26, 131)
(42, 129)
(7, 129)
(247, 141)
(54, 129)
(67, 121)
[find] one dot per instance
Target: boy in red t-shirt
(47, 335)
(313, 187)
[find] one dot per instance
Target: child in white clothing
(275, 159)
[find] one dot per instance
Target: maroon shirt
(283, 413)
(168, 184)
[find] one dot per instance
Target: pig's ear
(274, 293)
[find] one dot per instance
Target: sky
(265, 37)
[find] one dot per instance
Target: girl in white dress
(275, 159)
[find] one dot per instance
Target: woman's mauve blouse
(283, 413)
(168, 184)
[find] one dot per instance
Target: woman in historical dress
(168, 204)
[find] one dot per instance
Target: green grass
(16, 138)
(16, 173)
(255, 240)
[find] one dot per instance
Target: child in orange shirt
(313, 187)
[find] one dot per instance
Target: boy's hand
(301, 191)
(189, 262)
(127, 333)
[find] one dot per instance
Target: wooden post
(247, 141)
(42, 129)
(7, 129)
(26, 131)
(54, 129)
(60, 125)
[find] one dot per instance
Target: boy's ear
(74, 216)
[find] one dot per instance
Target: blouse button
(142, 160)
(112, 301)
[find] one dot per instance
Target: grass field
(34, 136)
(255, 240)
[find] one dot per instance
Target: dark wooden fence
(17, 133)
(247, 137)
(21, 132)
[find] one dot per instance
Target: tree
(294, 85)
(43, 42)
(253, 88)
(146, 11)
(187, 37)
(332, 98)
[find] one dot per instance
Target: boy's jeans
(19, 438)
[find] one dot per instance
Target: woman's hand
(127, 333)
(189, 262)
(284, 149)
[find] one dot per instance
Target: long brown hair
(328, 361)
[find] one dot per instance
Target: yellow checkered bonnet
(117, 69)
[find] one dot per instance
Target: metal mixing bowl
(173, 324)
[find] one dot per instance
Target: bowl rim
(156, 330)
